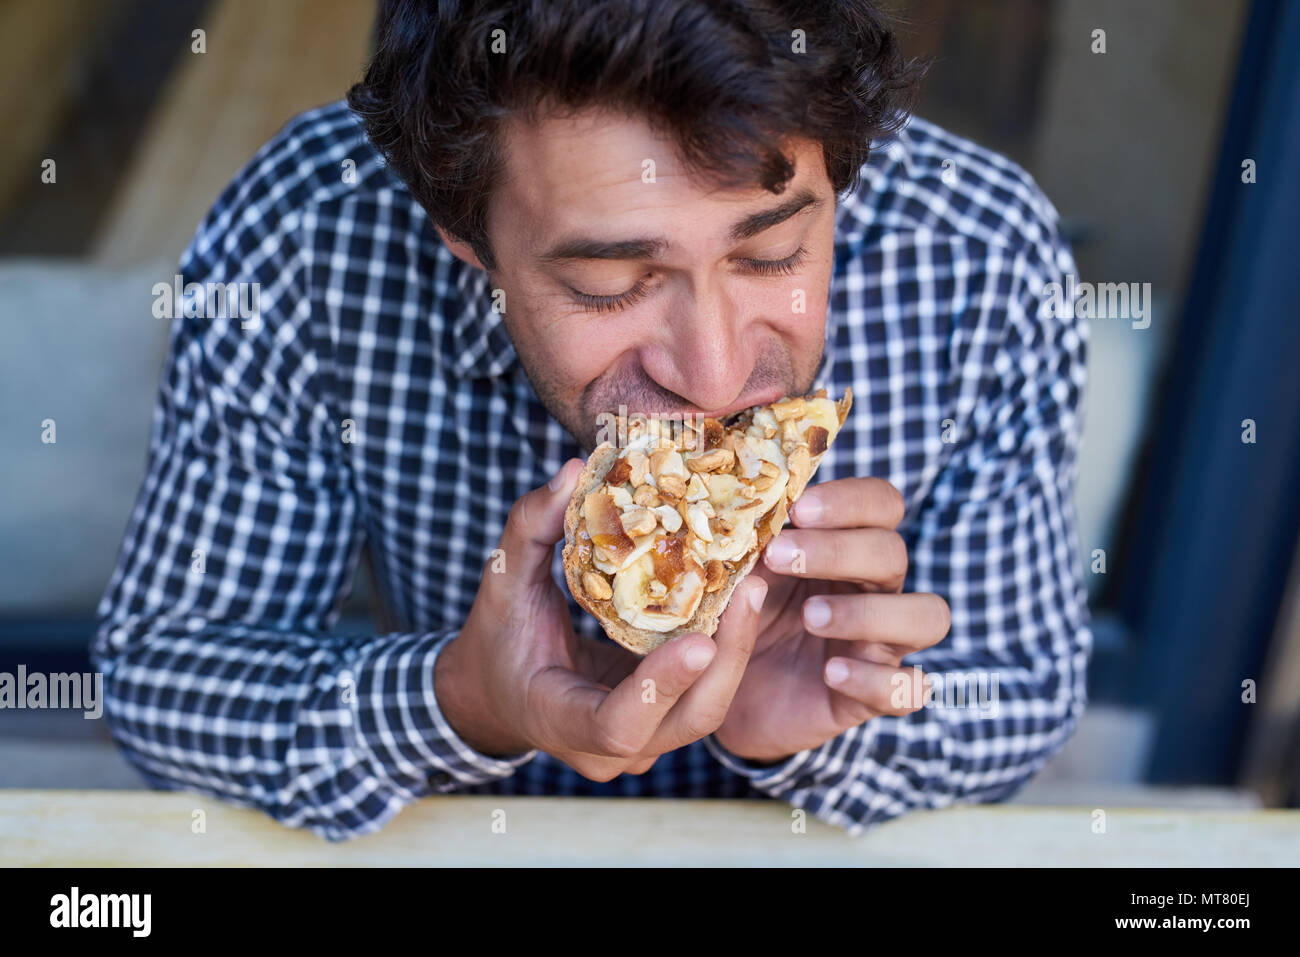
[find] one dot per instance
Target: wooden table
(145, 828)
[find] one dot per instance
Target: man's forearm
(931, 758)
(330, 735)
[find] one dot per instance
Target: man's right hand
(517, 677)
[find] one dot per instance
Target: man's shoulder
(926, 179)
(318, 157)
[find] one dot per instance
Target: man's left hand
(834, 627)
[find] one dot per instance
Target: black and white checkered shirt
(379, 400)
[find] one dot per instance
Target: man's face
(667, 296)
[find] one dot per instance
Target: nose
(702, 353)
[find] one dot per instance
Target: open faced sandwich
(666, 521)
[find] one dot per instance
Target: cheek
(797, 310)
(796, 304)
(571, 351)
(582, 358)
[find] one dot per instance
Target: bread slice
(618, 573)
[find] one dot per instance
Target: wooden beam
(264, 62)
(39, 41)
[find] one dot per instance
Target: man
(532, 214)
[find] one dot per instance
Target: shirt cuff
(798, 771)
(773, 779)
(398, 720)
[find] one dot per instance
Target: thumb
(535, 524)
(738, 627)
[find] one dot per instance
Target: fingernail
(756, 596)
(837, 672)
(698, 658)
(808, 509)
(780, 552)
(817, 613)
(555, 483)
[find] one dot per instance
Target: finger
(880, 689)
(910, 622)
(580, 716)
(534, 525)
(779, 589)
(604, 662)
(849, 503)
(641, 767)
(703, 708)
(638, 706)
(870, 556)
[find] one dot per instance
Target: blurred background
(1141, 134)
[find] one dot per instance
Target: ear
(460, 250)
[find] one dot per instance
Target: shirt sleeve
(220, 675)
(996, 537)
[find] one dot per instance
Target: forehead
(605, 169)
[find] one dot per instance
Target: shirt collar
(855, 213)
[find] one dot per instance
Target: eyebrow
(651, 247)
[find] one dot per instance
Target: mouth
(762, 397)
(765, 397)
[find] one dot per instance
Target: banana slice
(634, 604)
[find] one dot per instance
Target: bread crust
(712, 604)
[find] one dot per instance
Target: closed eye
(623, 300)
(777, 267)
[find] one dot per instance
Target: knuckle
(610, 744)
(900, 555)
(670, 687)
(744, 650)
(517, 519)
(600, 773)
(889, 705)
(851, 711)
(697, 729)
(893, 504)
(838, 553)
(939, 617)
(911, 695)
(896, 557)
(705, 721)
(887, 697)
(868, 615)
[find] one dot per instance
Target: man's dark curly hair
(727, 80)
